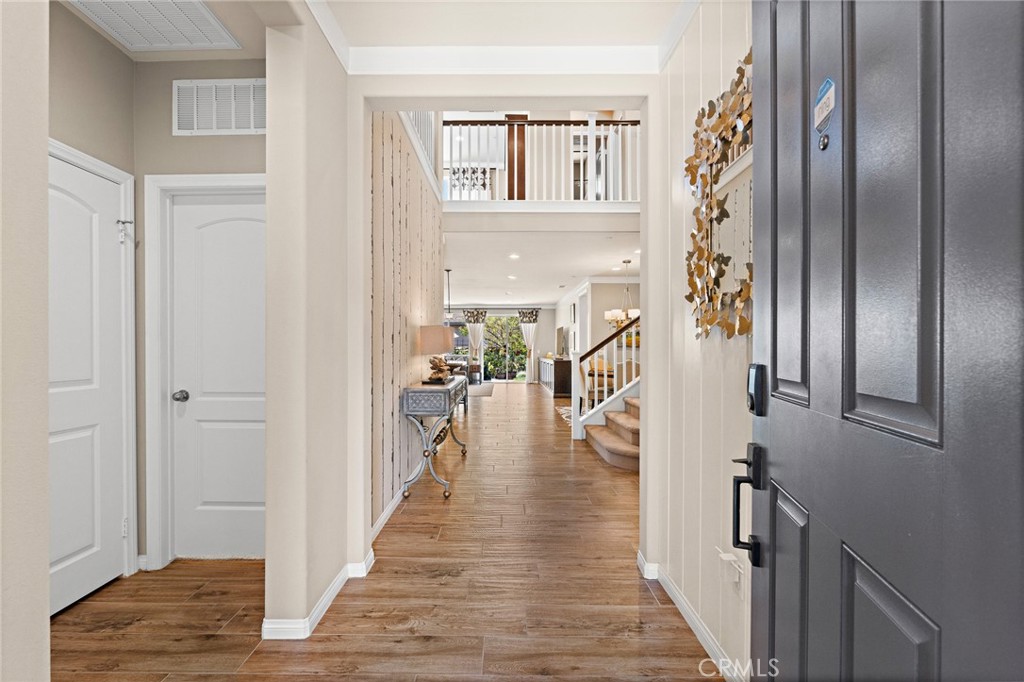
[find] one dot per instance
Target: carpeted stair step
(625, 426)
(612, 448)
(633, 407)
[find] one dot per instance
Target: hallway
(528, 570)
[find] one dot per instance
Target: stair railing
(599, 374)
(541, 160)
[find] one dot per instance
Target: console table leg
(429, 449)
(455, 436)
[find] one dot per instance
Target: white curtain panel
(476, 341)
(528, 325)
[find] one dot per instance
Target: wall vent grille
(235, 106)
(152, 25)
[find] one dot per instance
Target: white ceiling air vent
(150, 25)
(235, 106)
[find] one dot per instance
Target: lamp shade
(436, 339)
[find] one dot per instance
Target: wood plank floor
(527, 572)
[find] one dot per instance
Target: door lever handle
(181, 396)
(755, 477)
(755, 465)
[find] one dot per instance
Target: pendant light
(449, 317)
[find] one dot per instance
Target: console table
(433, 400)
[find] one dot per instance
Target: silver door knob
(180, 396)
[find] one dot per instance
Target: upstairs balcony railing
(522, 160)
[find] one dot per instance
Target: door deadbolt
(181, 396)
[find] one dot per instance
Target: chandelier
(620, 317)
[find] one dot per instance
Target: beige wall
(308, 320)
(408, 291)
(24, 508)
(710, 423)
(604, 297)
(158, 152)
(91, 91)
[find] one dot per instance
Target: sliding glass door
(504, 350)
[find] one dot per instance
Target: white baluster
(615, 366)
(561, 175)
(591, 156)
(604, 373)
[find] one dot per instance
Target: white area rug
(484, 390)
(565, 413)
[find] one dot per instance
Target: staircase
(618, 441)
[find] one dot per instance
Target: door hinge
(124, 527)
(122, 229)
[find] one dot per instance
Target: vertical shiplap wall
(711, 424)
(408, 291)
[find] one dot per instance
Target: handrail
(544, 122)
(614, 335)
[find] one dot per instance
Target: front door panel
(888, 244)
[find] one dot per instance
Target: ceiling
(550, 264)
(239, 18)
(504, 22)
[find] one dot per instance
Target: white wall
(710, 423)
(24, 404)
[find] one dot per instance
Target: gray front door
(889, 315)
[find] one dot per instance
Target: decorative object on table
(436, 340)
(528, 326)
(475, 320)
(433, 401)
(440, 371)
(724, 131)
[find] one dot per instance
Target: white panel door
(219, 293)
(87, 384)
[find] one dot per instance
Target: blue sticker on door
(824, 105)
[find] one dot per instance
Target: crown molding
(674, 31)
(328, 23)
(501, 60)
(594, 60)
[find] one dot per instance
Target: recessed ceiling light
(512, 277)
(514, 256)
(616, 269)
(637, 251)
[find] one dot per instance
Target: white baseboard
(142, 562)
(704, 636)
(385, 515)
(302, 628)
(648, 570)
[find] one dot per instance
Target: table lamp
(436, 340)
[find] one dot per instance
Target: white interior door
(218, 326)
(87, 384)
